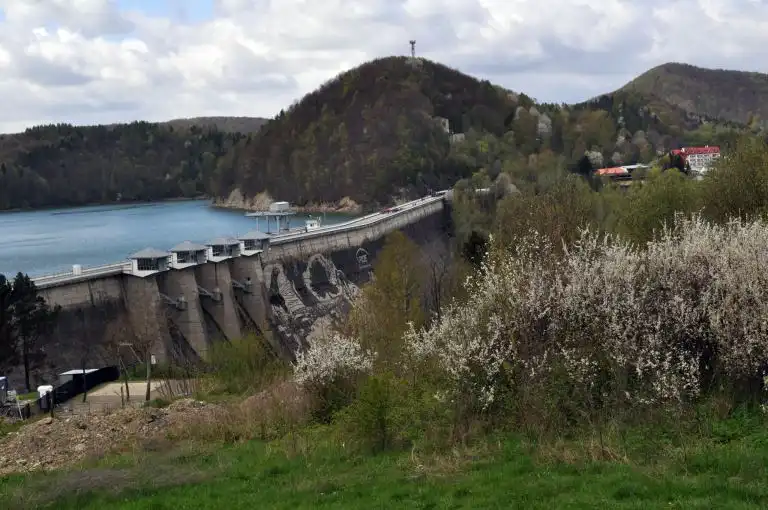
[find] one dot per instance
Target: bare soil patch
(50, 443)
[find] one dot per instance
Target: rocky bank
(260, 202)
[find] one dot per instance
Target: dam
(177, 302)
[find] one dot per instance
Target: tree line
(65, 165)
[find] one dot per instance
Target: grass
(7, 428)
(724, 467)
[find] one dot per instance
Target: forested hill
(368, 134)
(63, 165)
(717, 93)
(371, 134)
(227, 124)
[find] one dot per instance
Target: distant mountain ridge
(735, 96)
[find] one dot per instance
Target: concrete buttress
(212, 277)
(254, 299)
(147, 316)
(181, 283)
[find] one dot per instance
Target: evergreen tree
(32, 318)
(8, 352)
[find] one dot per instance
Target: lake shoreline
(42, 242)
(113, 202)
(213, 202)
(238, 201)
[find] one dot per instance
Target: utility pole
(413, 48)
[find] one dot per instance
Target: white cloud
(87, 61)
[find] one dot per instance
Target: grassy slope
(726, 467)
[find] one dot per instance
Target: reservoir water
(52, 240)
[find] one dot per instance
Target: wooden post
(149, 375)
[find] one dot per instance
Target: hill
(368, 134)
(65, 165)
(735, 96)
(389, 128)
(373, 132)
(226, 124)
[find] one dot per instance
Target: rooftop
(223, 241)
(188, 246)
(254, 235)
(261, 214)
(79, 371)
(150, 253)
(698, 150)
(617, 170)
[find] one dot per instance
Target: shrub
(391, 412)
(329, 369)
(654, 203)
(329, 358)
(244, 366)
(608, 326)
(373, 419)
(738, 184)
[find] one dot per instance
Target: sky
(106, 61)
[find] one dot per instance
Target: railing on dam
(357, 223)
(95, 272)
(88, 273)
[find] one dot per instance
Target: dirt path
(135, 388)
(108, 396)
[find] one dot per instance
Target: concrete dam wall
(310, 286)
(288, 293)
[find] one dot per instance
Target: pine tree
(32, 318)
(8, 351)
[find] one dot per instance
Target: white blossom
(330, 357)
(651, 317)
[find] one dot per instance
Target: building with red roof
(699, 159)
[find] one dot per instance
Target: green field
(724, 466)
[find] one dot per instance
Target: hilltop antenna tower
(413, 48)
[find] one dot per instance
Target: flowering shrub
(649, 325)
(330, 358)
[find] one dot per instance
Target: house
(699, 159)
(621, 174)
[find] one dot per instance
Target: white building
(700, 159)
